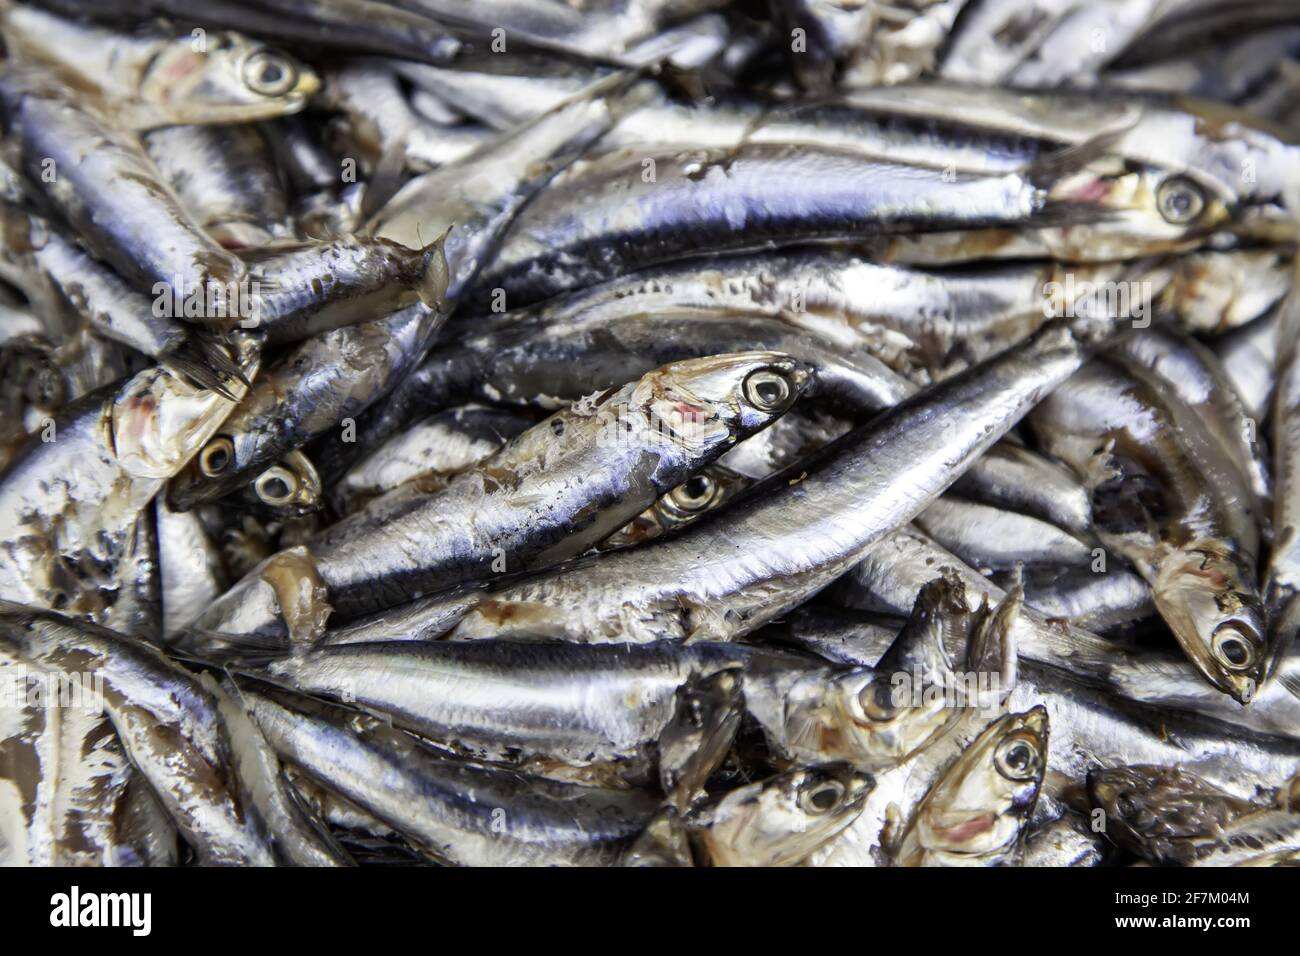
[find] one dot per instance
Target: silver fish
(72, 502)
(157, 78)
(1168, 816)
(556, 490)
(108, 188)
(894, 570)
(775, 550)
(430, 451)
(975, 815)
(225, 178)
(210, 769)
(1170, 498)
(780, 822)
(457, 813)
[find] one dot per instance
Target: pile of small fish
(649, 432)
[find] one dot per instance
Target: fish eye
(767, 390)
(1180, 200)
(269, 74)
(693, 495)
(1232, 649)
(877, 701)
(1017, 758)
(276, 485)
(822, 796)
(216, 457)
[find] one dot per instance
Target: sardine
(975, 815)
(456, 812)
(157, 78)
(205, 762)
(775, 550)
(1168, 497)
(556, 490)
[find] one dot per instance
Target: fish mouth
(1111, 789)
(1034, 721)
(860, 786)
(309, 84)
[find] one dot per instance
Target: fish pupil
(697, 487)
(824, 798)
(276, 488)
(1234, 651)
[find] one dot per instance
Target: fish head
(780, 821)
(223, 466)
(683, 505)
(226, 77)
(1127, 209)
(954, 642)
(1151, 810)
(875, 718)
(870, 719)
(1210, 602)
(1201, 164)
(290, 488)
(160, 419)
(983, 802)
(714, 401)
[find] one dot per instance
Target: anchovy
(876, 479)
(71, 797)
(155, 78)
(206, 763)
(599, 710)
(643, 206)
(111, 192)
(226, 180)
(779, 822)
(1192, 372)
(894, 570)
(325, 380)
(988, 537)
(1199, 148)
(1169, 497)
(307, 289)
(429, 451)
(551, 493)
(189, 564)
(1168, 816)
(71, 502)
(455, 812)
(976, 813)
(370, 26)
